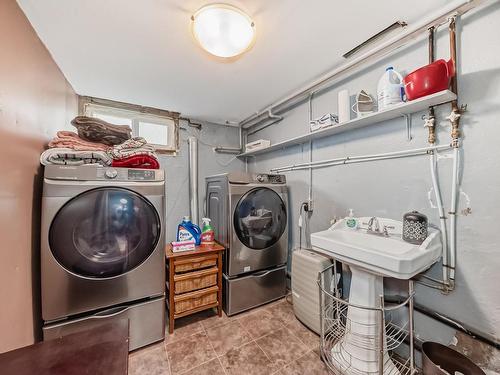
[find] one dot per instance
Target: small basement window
(158, 127)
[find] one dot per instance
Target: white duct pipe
(193, 179)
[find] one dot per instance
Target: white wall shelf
(393, 112)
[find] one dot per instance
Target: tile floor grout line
(298, 338)
(168, 360)
(191, 334)
(293, 361)
(264, 335)
(270, 361)
(217, 325)
(191, 368)
(236, 347)
(216, 355)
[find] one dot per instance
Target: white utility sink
(382, 255)
(371, 256)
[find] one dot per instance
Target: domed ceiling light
(223, 30)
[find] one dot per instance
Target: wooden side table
(194, 281)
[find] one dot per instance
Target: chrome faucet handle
(385, 231)
(372, 221)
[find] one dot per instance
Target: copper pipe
(431, 44)
(455, 116)
(432, 128)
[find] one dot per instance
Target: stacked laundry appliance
(249, 217)
(102, 233)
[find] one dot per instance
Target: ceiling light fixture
(223, 30)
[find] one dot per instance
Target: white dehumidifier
(305, 290)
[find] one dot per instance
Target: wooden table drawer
(194, 263)
(187, 282)
(195, 300)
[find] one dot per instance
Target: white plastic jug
(389, 89)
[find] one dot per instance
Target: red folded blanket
(137, 161)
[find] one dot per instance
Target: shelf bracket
(407, 117)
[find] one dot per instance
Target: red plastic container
(429, 79)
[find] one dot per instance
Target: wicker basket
(195, 263)
(195, 300)
(188, 282)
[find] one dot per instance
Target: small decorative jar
(414, 227)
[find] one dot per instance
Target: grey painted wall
(391, 188)
(209, 163)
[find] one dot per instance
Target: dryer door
(104, 232)
(259, 229)
(260, 218)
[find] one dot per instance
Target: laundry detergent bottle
(390, 89)
(207, 232)
(186, 231)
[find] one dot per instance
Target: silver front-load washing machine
(249, 216)
(102, 250)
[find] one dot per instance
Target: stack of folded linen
(134, 153)
(96, 130)
(99, 142)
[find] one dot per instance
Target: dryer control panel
(270, 178)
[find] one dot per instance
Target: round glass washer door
(260, 218)
(104, 232)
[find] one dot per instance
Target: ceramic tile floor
(266, 340)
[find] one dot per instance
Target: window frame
(94, 106)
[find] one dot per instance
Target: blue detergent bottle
(186, 231)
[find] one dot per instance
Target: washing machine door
(259, 224)
(104, 232)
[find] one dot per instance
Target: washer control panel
(270, 178)
(128, 174)
(141, 174)
(98, 173)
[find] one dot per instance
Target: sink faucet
(371, 222)
(374, 227)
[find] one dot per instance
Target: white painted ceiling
(142, 51)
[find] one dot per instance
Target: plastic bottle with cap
(390, 89)
(207, 233)
(351, 222)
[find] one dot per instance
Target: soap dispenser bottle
(351, 222)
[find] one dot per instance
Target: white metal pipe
(352, 159)
(310, 150)
(453, 213)
(310, 192)
(193, 178)
(272, 117)
(412, 33)
(442, 219)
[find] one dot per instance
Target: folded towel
(132, 147)
(137, 161)
(68, 139)
(96, 130)
(68, 156)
